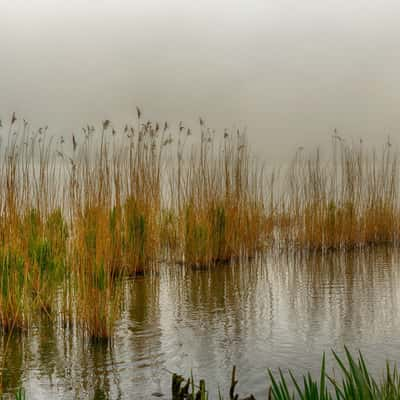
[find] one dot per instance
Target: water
(276, 311)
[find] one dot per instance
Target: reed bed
(348, 200)
(80, 213)
(218, 191)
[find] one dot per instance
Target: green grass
(354, 383)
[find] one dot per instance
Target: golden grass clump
(97, 302)
(32, 265)
(348, 201)
(33, 232)
(218, 192)
(15, 288)
(79, 214)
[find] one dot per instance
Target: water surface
(276, 311)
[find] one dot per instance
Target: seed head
(74, 143)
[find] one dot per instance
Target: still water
(276, 311)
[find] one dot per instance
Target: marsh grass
(220, 197)
(347, 200)
(32, 263)
(82, 212)
(98, 304)
(14, 289)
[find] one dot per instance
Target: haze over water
(289, 71)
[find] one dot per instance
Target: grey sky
(290, 71)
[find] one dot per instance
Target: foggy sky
(289, 71)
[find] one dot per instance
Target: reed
(97, 303)
(219, 194)
(82, 212)
(15, 288)
(93, 270)
(32, 263)
(346, 201)
(115, 195)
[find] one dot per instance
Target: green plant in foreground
(356, 383)
(20, 394)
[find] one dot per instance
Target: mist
(288, 72)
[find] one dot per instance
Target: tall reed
(81, 212)
(348, 200)
(218, 193)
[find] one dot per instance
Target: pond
(274, 311)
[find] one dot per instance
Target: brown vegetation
(87, 211)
